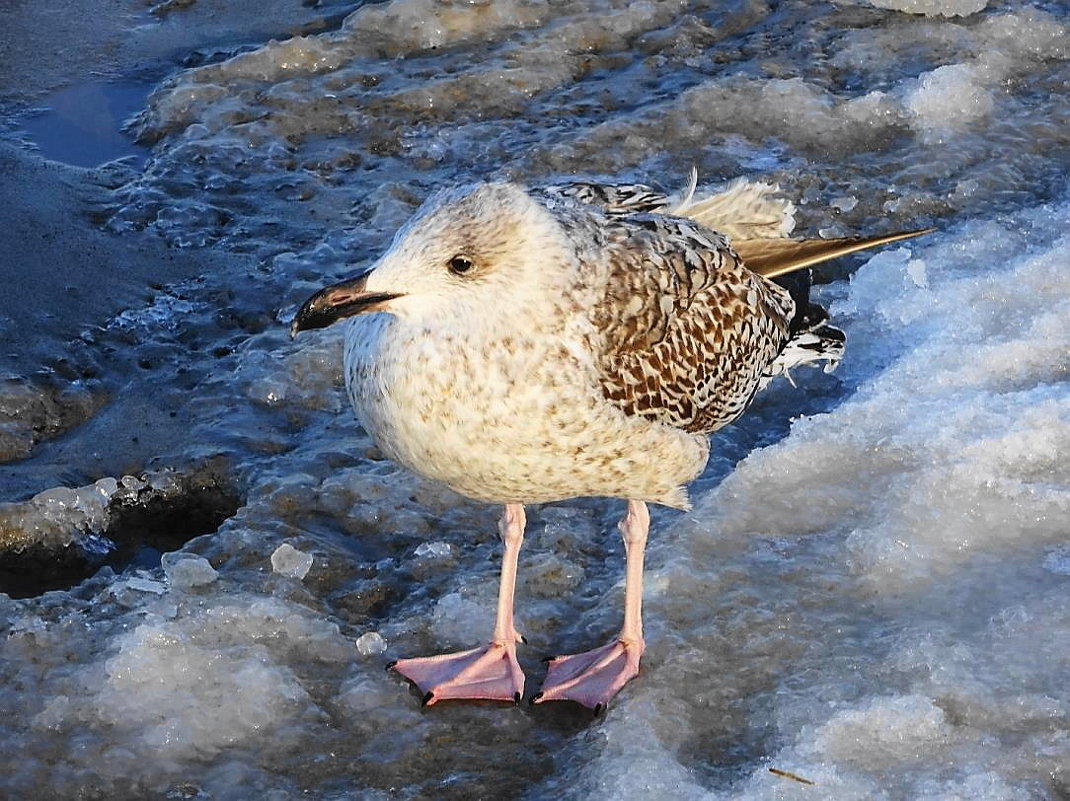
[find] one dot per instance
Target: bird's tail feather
(813, 343)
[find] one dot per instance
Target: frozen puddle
(83, 124)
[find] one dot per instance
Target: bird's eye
(459, 265)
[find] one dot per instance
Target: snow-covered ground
(872, 592)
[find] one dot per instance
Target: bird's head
(467, 248)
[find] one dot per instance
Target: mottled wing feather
(611, 198)
(687, 330)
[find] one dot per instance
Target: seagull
(531, 345)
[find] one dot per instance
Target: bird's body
(636, 336)
(538, 345)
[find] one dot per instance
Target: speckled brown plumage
(686, 330)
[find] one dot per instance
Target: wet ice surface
(872, 595)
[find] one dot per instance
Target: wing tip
(773, 258)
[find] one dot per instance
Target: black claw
(427, 698)
(523, 639)
(390, 665)
(599, 709)
(535, 698)
(516, 699)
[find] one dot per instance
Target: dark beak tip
(337, 302)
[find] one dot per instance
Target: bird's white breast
(508, 414)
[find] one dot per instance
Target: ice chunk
(458, 620)
(949, 99)
(96, 544)
(288, 561)
(917, 272)
(270, 391)
(185, 571)
(209, 677)
(844, 203)
(433, 550)
(370, 643)
(363, 696)
(56, 517)
(145, 585)
(550, 575)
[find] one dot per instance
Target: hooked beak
(337, 302)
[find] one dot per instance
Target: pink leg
(592, 678)
(490, 671)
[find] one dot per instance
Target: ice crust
(934, 8)
(872, 595)
(303, 120)
(57, 518)
(958, 444)
(187, 682)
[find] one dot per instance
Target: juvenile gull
(576, 340)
